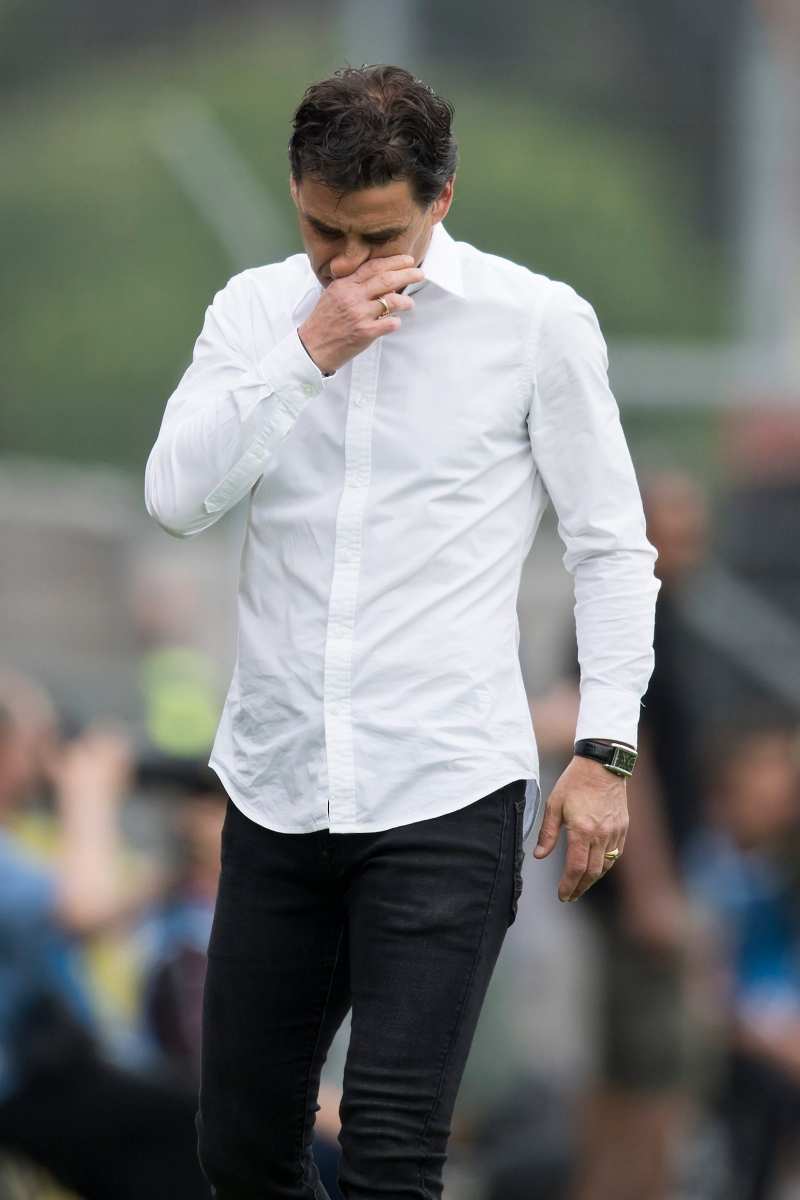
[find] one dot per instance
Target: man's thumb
(548, 834)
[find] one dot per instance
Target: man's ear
(293, 190)
(441, 204)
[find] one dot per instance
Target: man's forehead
(391, 206)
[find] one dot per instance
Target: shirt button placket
(342, 604)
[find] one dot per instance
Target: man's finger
(394, 302)
(397, 262)
(616, 841)
(596, 866)
(578, 845)
(385, 282)
(386, 325)
(548, 834)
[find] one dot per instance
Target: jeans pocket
(519, 856)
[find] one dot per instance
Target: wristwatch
(614, 757)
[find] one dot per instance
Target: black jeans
(405, 926)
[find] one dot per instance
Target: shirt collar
(441, 264)
(309, 284)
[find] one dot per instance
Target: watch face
(624, 760)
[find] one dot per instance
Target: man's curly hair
(367, 126)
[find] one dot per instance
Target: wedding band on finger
(612, 854)
(384, 306)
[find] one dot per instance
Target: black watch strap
(614, 756)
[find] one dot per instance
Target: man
(176, 931)
(398, 407)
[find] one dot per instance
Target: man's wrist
(617, 757)
(325, 374)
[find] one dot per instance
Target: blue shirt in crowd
(752, 894)
(37, 959)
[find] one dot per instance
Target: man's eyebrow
(392, 232)
(320, 225)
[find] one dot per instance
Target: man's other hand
(590, 803)
(349, 316)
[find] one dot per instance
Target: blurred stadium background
(647, 153)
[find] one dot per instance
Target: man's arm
(226, 418)
(581, 454)
(230, 412)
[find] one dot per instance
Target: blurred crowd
(103, 932)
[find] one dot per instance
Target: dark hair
(367, 126)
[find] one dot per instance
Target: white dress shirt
(391, 508)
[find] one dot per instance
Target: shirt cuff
(290, 371)
(608, 713)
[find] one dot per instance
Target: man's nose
(348, 260)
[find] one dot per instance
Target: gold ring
(384, 306)
(612, 854)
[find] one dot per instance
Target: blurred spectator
(99, 1131)
(179, 683)
(176, 934)
(525, 1145)
(636, 1112)
(745, 869)
(327, 1151)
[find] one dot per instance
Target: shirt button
(260, 452)
(358, 481)
(347, 555)
(338, 632)
(336, 709)
(308, 390)
(361, 401)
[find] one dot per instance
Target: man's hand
(591, 804)
(349, 316)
